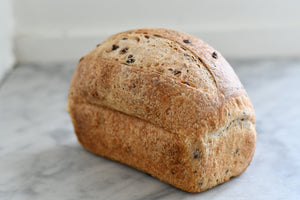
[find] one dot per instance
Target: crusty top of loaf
(165, 77)
(156, 54)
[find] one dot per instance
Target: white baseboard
(232, 43)
(7, 58)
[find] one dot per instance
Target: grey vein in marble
(41, 158)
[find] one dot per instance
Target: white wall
(62, 30)
(6, 37)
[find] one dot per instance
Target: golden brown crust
(188, 122)
(227, 81)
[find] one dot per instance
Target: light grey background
(61, 30)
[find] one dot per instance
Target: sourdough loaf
(165, 103)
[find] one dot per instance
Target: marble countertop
(41, 158)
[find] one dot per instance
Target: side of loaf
(165, 103)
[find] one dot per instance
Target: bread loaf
(165, 103)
